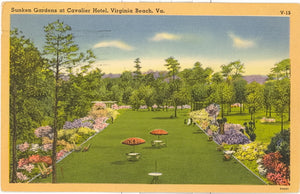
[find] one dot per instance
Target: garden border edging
(237, 159)
(36, 176)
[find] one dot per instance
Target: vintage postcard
(150, 97)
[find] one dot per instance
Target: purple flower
(77, 123)
(44, 131)
(232, 136)
(47, 147)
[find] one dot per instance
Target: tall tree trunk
(54, 178)
(241, 108)
(175, 110)
(14, 134)
(222, 110)
(289, 113)
(282, 121)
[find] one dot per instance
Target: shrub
(250, 130)
(47, 160)
(60, 154)
(201, 117)
(278, 172)
(213, 110)
(23, 147)
(251, 151)
(69, 147)
(45, 131)
(267, 120)
(35, 147)
(85, 132)
(66, 134)
(100, 124)
(214, 128)
(47, 147)
(281, 143)
(232, 136)
(62, 142)
(112, 113)
(75, 138)
(77, 123)
(21, 176)
(46, 140)
(27, 167)
(22, 162)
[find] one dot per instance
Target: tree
(30, 96)
(180, 98)
(233, 70)
(199, 94)
(136, 100)
(222, 94)
(137, 74)
(147, 95)
(61, 52)
(239, 86)
(173, 66)
(281, 70)
(162, 92)
(226, 71)
(217, 78)
(282, 97)
(269, 96)
(254, 98)
(76, 93)
(126, 79)
(238, 69)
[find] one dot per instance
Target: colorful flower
(34, 159)
(47, 160)
(27, 167)
(47, 147)
(22, 162)
(43, 131)
(21, 176)
(23, 147)
(35, 147)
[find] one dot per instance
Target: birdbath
(155, 175)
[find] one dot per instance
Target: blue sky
(259, 42)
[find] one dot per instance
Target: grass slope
(188, 158)
(264, 131)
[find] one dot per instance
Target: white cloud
(115, 43)
(165, 36)
(238, 42)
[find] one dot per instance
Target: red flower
(22, 162)
(47, 160)
(35, 159)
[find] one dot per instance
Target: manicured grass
(188, 158)
(264, 131)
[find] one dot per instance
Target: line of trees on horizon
(45, 90)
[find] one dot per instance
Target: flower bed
(231, 136)
(267, 120)
(276, 171)
(35, 158)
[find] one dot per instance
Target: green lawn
(188, 158)
(264, 131)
